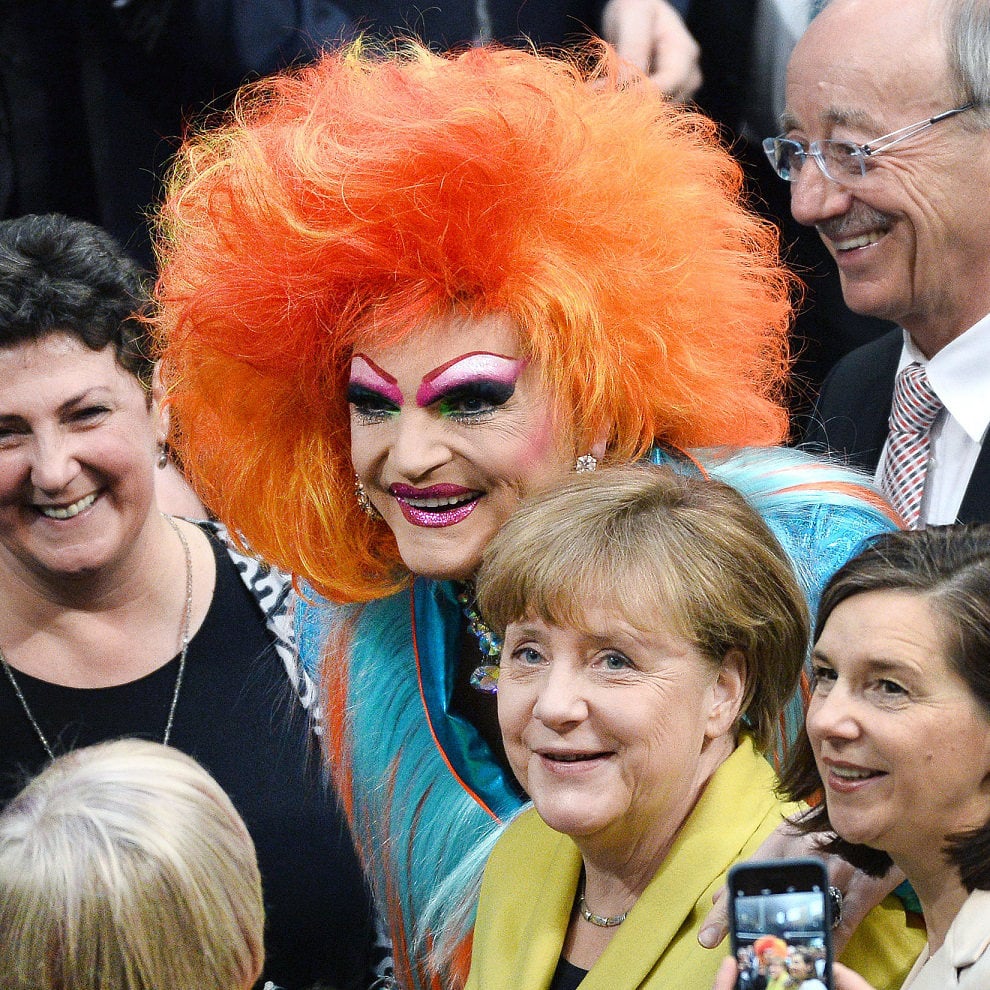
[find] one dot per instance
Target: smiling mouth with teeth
(848, 773)
(428, 504)
(572, 757)
(67, 511)
(864, 240)
(438, 509)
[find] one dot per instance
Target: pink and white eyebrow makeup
(477, 366)
(367, 374)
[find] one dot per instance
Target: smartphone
(780, 923)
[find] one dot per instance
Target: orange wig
(373, 191)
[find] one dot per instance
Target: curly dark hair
(60, 275)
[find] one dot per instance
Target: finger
(678, 84)
(860, 895)
(676, 56)
(725, 979)
(843, 978)
(628, 25)
(716, 924)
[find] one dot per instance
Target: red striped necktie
(914, 410)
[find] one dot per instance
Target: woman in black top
(119, 620)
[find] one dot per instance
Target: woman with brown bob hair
(898, 735)
(401, 291)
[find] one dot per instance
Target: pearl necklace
(186, 620)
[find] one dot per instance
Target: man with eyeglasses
(886, 146)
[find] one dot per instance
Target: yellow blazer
(530, 885)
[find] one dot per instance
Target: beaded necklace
(484, 678)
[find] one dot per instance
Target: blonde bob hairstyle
(124, 866)
(659, 549)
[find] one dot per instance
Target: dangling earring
(363, 501)
(586, 462)
(162, 461)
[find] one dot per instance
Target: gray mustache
(857, 220)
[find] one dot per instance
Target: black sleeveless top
(239, 716)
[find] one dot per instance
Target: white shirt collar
(960, 376)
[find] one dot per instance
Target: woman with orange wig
(399, 292)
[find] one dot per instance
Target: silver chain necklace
(186, 621)
(599, 920)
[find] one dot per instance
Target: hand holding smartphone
(780, 923)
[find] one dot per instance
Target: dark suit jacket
(850, 417)
(453, 23)
(93, 95)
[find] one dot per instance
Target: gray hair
(968, 29)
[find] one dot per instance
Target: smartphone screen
(780, 925)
